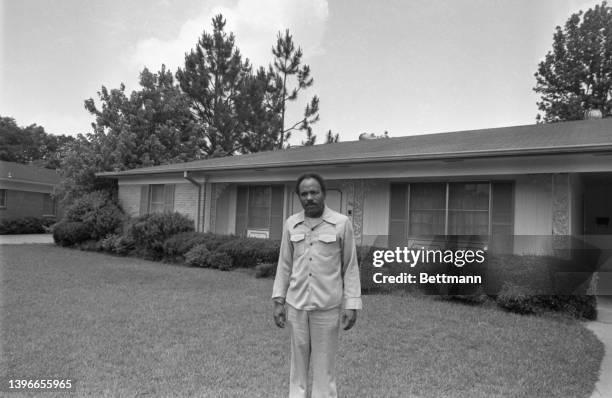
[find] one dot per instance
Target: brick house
(520, 187)
(26, 191)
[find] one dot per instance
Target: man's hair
(304, 176)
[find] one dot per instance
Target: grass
(130, 327)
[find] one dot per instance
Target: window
(468, 209)
(2, 198)
(48, 205)
(156, 198)
(454, 208)
(259, 207)
(427, 209)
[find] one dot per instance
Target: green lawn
(127, 327)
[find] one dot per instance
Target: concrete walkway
(25, 239)
(603, 330)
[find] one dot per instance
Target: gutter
(197, 184)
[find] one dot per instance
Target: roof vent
(591, 113)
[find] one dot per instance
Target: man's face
(312, 198)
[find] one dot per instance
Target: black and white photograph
(306, 198)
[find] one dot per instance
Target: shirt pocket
(328, 245)
(297, 240)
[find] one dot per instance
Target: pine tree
(288, 63)
(213, 77)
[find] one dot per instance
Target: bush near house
(198, 256)
(117, 244)
(522, 284)
(265, 270)
(150, 231)
(176, 247)
(519, 283)
(249, 252)
(98, 212)
(69, 233)
(25, 225)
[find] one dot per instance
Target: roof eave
(376, 159)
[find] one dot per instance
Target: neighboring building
(523, 185)
(26, 191)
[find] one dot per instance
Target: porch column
(206, 202)
(561, 214)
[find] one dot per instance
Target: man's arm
(281, 280)
(352, 285)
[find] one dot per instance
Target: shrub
(98, 212)
(68, 233)
(221, 261)
(25, 225)
(579, 306)
(178, 245)
(198, 256)
(90, 245)
(248, 252)
(149, 232)
(521, 300)
(265, 270)
(517, 299)
(117, 244)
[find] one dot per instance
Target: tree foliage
(217, 106)
(152, 126)
(288, 64)
(577, 74)
(214, 76)
(30, 144)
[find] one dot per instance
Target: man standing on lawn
(318, 278)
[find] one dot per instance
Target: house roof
(567, 137)
(10, 171)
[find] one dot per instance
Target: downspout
(197, 184)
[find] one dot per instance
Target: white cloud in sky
(255, 25)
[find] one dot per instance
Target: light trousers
(314, 339)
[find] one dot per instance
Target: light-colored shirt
(317, 267)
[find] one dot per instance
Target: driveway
(25, 239)
(602, 328)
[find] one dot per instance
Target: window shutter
(276, 212)
(242, 201)
(502, 217)
(169, 197)
(398, 215)
(144, 200)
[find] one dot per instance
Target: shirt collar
(328, 216)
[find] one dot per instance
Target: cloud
(255, 25)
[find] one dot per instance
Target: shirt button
(310, 259)
(310, 243)
(309, 274)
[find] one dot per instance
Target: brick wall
(129, 198)
(186, 200)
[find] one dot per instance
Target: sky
(406, 67)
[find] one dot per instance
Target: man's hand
(349, 317)
(280, 314)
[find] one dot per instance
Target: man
(318, 279)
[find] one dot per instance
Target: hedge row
(523, 284)
(25, 225)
